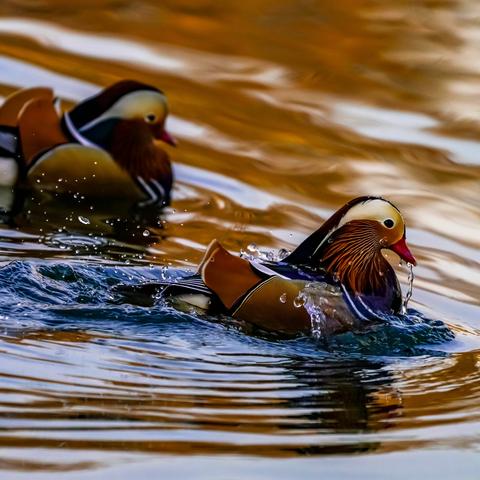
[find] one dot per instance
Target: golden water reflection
(284, 111)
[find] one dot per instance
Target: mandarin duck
(103, 147)
(342, 261)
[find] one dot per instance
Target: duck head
(349, 247)
(137, 110)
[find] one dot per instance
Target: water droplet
(282, 253)
(83, 220)
(283, 298)
(298, 301)
(146, 233)
(164, 273)
(408, 295)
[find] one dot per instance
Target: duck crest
(350, 256)
(94, 106)
(309, 251)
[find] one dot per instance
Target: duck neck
(130, 145)
(353, 256)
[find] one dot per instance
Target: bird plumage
(342, 260)
(109, 135)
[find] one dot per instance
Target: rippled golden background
(285, 110)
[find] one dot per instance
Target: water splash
(408, 295)
(83, 220)
(252, 253)
(164, 272)
(315, 298)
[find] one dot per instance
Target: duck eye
(150, 118)
(389, 223)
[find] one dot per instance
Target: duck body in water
(106, 146)
(340, 267)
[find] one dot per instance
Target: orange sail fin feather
(250, 295)
(241, 277)
(13, 104)
(39, 128)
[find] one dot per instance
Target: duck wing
(12, 110)
(254, 294)
(263, 295)
(14, 103)
(230, 277)
(293, 271)
(74, 168)
(39, 128)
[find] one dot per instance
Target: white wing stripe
(75, 133)
(153, 197)
(160, 188)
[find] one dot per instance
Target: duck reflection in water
(116, 219)
(302, 406)
(340, 396)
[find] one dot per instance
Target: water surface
(284, 111)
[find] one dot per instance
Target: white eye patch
(141, 104)
(377, 209)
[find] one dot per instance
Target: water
(254, 254)
(320, 102)
(315, 299)
(408, 295)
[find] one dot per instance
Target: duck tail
(145, 294)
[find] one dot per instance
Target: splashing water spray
(314, 297)
(408, 295)
(252, 253)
